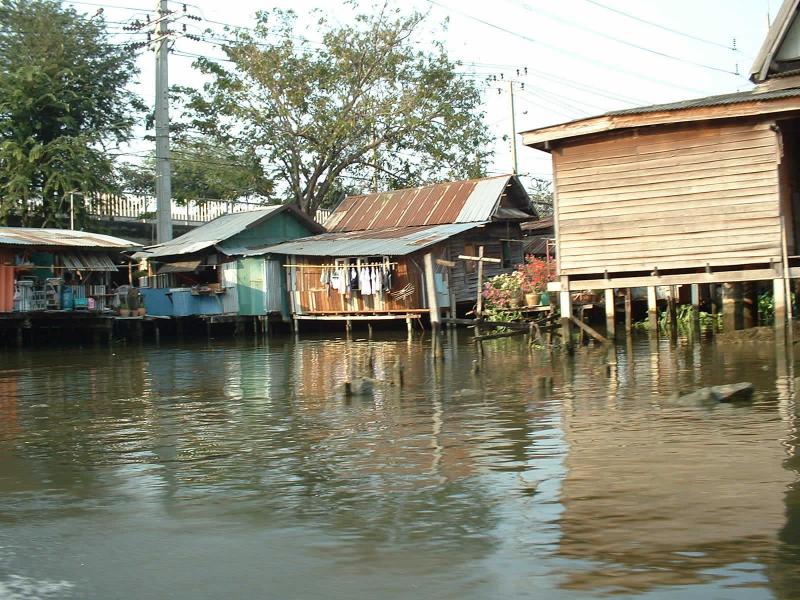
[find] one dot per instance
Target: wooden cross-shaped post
(480, 260)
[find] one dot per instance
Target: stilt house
(219, 268)
(693, 192)
(36, 265)
(369, 264)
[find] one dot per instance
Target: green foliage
(370, 99)
(202, 170)
(766, 308)
(684, 316)
(63, 101)
(541, 193)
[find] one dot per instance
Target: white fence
(191, 213)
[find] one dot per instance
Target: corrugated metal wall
(6, 282)
(678, 197)
(251, 288)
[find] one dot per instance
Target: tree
(63, 103)
(368, 105)
(541, 193)
(202, 170)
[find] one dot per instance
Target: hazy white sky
(583, 57)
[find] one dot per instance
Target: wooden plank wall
(314, 297)
(676, 197)
(464, 281)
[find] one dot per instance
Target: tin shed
(219, 268)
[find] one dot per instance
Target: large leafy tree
(373, 105)
(63, 103)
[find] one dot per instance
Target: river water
(237, 469)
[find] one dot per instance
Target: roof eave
(541, 138)
(759, 72)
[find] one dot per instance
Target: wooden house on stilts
(705, 191)
(369, 265)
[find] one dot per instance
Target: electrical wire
(607, 36)
(564, 50)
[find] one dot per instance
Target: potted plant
(124, 311)
(534, 275)
(503, 290)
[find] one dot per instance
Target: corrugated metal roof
(545, 223)
(211, 233)
(720, 100)
(88, 261)
(469, 201)
(394, 241)
(29, 236)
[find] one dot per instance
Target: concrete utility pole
(163, 169)
(513, 130)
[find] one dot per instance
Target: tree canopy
(64, 102)
(371, 103)
(202, 170)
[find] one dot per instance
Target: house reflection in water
(672, 495)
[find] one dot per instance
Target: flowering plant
(501, 289)
(535, 274)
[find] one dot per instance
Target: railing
(144, 207)
(190, 213)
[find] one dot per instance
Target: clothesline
(343, 265)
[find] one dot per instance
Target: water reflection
(570, 475)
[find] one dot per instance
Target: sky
(567, 59)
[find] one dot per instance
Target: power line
(576, 25)
(563, 50)
(664, 27)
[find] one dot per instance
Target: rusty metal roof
(392, 241)
(51, 238)
(536, 226)
(470, 201)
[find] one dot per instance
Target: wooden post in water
(732, 306)
(696, 309)
(433, 304)
(652, 309)
(673, 313)
(409, 328)
(779, 295)
(610, 320)
(479, 301)
(565, 301)
(430, 290)
(628, 312)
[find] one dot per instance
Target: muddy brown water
(236, 469)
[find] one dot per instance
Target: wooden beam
(652, 308)
(502, 334)
(591, 332)
(537, 138)
(445, 263)
(480, 258)
(680, 279)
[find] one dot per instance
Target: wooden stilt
(652, 309)
(610, 320)
(695, 309)
(369, 330)
(628, 312)
(409, 327)
(565, 300)
(779, 295)
(732, 306)
(673, 313)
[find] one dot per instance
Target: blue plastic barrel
(67, 298)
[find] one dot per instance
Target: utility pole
(163, 169)
(513, 129)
